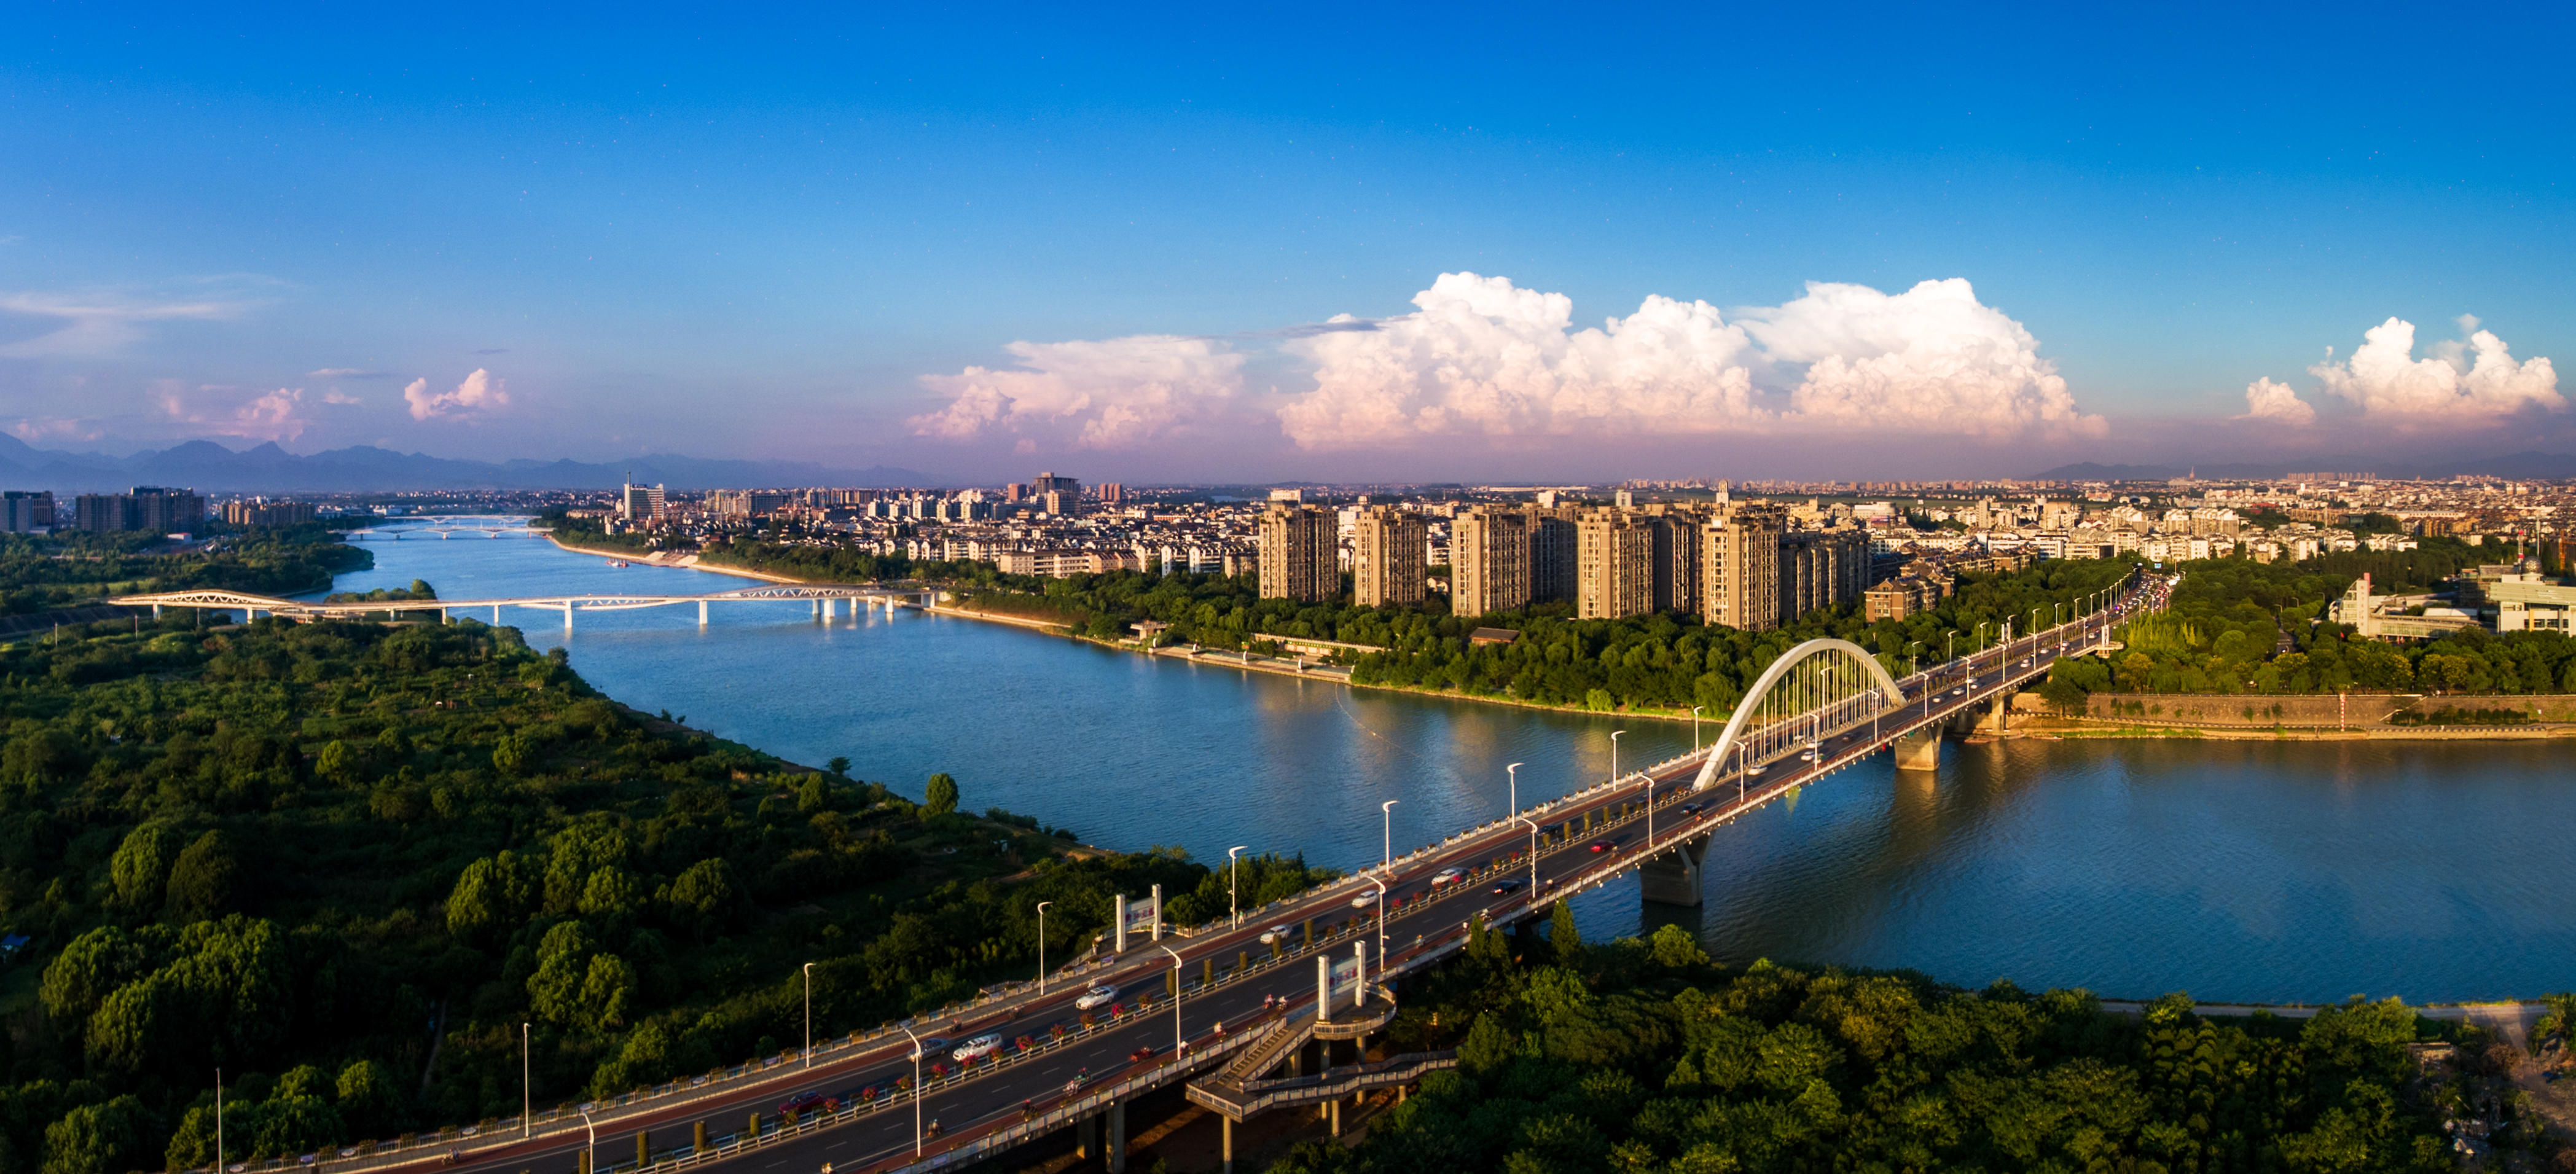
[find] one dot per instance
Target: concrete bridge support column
(567, 615)
(1323, 988)
(1225, 1146)
(442, 615)
(702, 613)
(496, 615)
(1673, 878)
(156, 613)
(1086, 1138)
(1920, 750)
(1117, 1137)
(1999, 715)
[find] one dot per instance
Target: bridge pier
(702, 613)
(1673, 878)
(496, 615)
(1117, 1137)
(567, 615)
(1999, 715)
(1920, 750)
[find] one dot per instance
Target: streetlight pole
(590, 1153)
(809, 1014)
(1695, 728)
(1178, 1042)
(1614, 754)
(1387, 809)
(219, 1121)
(1533, 897)
(527, 1094)
(1042, 906)
(1233, 872)
(1514, 770)
(916, 1088)
(1381, 919)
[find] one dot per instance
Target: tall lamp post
(590, 1152)
(1381, 919)
(916, 1088)
(1514, 770)
(1233, 872)
(1533, 897)
(1178, 1043)
(1614, 754)
(1387, 809)
(527, 1095)
(809, 1014)
(1695, 728)
(1042, 906)
(219, 1121)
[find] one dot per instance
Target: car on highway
(1807, 755)
(1142, 1054)
(1275, 935)
(1446, 877)
(1364, 900)
(1755, 769)
(1693, 808)
(1503, 888)
(930, 1045)
(1604, 844)
(801, 1102)
(1099, 996)
(978, 1047)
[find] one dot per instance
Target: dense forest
(2244, 627)
(40, 573)
(343, 861)
(1642, 1055)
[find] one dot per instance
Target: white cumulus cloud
(276, 415)
(2471, 380)
(1481, 356)
(480, 391)
(1932, 359)
(2267, 400)
(1109, 394)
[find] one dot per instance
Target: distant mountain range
(209, 467)
(2535, 465)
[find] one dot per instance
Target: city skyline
(1248, 250)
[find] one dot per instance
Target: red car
(1141, 1055)
(800, 1103)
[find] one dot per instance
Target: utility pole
(809, 1014)
(527, 1093)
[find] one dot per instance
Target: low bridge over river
(1297, 984)
(828, 600)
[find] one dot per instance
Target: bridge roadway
(1583, 840)
(826, 598)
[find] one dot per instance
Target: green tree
(201, 883)
(1562, 934)
(141, 866)
(97, 1139)
(940, 797)
(336, 762)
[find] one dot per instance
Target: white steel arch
(1771, 676)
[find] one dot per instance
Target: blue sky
(973, 242)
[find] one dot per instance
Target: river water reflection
(2295, 871)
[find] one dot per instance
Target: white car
(1447, 876)
(1755, 770)
(1364, 900)
(977, 1048)
(1274, 935)
(1099, 996)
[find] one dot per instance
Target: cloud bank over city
(1483, 359)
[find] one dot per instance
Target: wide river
(2234, 870)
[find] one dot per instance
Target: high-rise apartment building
(1679, 552)
(1615, 565)
(262, 512)
(1821, 569)
(1060, 496)
(1388, 549)
(1112, 493)
(1740, 568)
(24, 511)
(641, 505)
(1300, 553)
(1489, 562)
(148, 507)
(1552, 554)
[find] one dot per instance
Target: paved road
(1588, 838)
